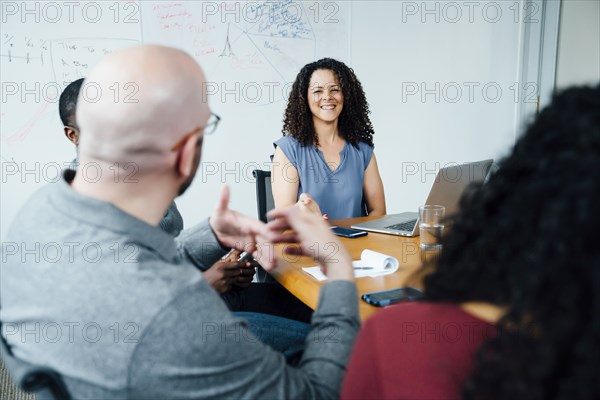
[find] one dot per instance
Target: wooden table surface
(306, 288)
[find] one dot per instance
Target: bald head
(136, 104)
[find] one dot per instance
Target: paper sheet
(371, 263)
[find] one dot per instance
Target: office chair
(46, 383)
(264, 195)
(264, 203)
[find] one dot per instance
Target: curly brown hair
(354, 123)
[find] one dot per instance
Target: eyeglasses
(211, 125)
(209, 128)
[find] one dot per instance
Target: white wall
(578, 44)
(427, 48)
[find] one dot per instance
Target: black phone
(387, 297)
(348, 232)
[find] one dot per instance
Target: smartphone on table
(348, 232)
(387, 297)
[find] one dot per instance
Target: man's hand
(224, 274)
(238, 231)
(316, 240)
(247, 270)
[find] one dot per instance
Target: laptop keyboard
(404, 226)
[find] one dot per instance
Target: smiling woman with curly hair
(325, 161)
(513, 306)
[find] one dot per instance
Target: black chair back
(264, 203)
(264, 195)
(46, 383)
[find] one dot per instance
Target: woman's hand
(308, 204)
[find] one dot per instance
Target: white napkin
(371, 263)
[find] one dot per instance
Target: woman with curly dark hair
(513, 308)
(325, 159)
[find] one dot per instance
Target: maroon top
(415, 351)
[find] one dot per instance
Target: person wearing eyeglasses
(224, 274)
(228, 276)
(67, 110)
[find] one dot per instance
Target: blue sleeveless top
(338, 193)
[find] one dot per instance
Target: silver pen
(228, 254)
(244, 256)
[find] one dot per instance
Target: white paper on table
(371, 263)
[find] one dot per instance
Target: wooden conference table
(289, 272)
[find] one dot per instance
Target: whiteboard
(443, 80)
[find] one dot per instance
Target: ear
(186, 159)
(72, 134)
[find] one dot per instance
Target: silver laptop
(447, 189)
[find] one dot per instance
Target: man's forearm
(199, 246)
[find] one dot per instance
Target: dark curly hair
(528, 240)
(354, 123)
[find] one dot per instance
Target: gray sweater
(112, 304)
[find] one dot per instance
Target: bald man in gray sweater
(96, 291)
